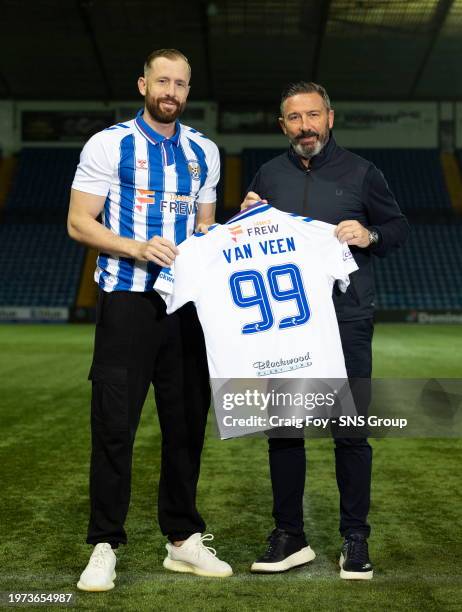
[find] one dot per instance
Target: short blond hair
(172, 54)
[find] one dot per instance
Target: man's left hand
(353, 233)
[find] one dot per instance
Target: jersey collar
(153, 136)
(253, 209)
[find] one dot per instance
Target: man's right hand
(250, 199)
(159, 250)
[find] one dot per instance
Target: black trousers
(353, 456)
(136, 345)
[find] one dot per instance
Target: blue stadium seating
(415, 176)
(43, 179)
(39, 265)
(426, 273)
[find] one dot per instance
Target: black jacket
(338, 186)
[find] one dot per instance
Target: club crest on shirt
(194, 170)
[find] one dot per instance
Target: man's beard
(162, 116)
(309, 151)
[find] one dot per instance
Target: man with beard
(316, 178)
(147, 178)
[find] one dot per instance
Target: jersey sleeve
(94, 172)
(341, 263)
(181, 283)
(208, 192)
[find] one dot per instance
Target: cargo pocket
(109, 401)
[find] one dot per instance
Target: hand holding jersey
(251, 199)
(158, 249)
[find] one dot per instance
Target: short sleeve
(208, 192)
(181, 283)
(95, 172)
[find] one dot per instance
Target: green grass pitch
(416, 509)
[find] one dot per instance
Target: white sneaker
(99, 574)
(193, 557)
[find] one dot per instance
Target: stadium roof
(240, 50)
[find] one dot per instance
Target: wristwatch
(373, 237)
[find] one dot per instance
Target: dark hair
(172, 54)
(304, 87)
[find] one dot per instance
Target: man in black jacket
(317, 178)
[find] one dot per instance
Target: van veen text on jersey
(267, 247)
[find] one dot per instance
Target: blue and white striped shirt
(153, 186)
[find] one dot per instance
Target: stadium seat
(425, 274)
(43, 179)
(39, 265)
(415, 176)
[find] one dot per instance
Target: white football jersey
(262, 285)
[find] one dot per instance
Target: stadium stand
(42, 180)
(414, 175)
(426, 274)
(39, 265)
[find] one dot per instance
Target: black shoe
(284, 552)
(354, 558)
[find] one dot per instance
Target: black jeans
(137, 344)
(353, 456)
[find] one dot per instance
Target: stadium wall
(358, 124)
